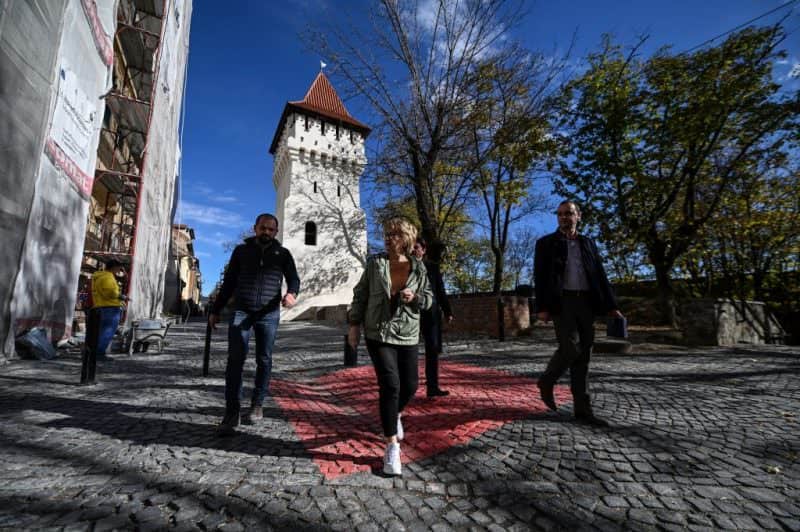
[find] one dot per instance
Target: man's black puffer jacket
(254, 276)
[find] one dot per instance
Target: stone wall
(726, 322)
(330, 313)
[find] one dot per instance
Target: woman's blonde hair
(405, 228)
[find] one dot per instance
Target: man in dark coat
(431, 325)
(571, 288)
(254, 276)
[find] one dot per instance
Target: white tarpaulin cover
(55, 67)
(52, 155)
(154, 229)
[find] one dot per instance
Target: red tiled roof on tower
(322, 96)
(321, 100)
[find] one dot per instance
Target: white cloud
(214, 239)
(431, 17)
(214, 195)
(209, 215)
(227, 199)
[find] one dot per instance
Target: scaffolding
(116, 195)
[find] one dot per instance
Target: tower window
(306, 117)
(315, 187)
(322, 122)
(337, 131)
(339, 190)
(311, 234)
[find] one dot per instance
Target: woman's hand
(407, 295)
(354, 335)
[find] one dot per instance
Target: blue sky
(246, 60)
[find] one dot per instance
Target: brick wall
(477, 313)
(473, 313)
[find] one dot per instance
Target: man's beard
(264, 239)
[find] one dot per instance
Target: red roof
(322, 101)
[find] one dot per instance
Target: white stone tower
(318, 151)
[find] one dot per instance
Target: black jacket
(255, 275)
(437, 287)
(549, 268)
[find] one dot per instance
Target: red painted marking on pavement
(336, 416)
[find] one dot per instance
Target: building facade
(183, 282)
(319, 156)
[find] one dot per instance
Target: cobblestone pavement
(700, 439)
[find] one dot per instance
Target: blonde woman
(387, 302)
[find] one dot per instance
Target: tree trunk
(497, 286)
(666, 295)
(499, 266)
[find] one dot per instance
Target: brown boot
(584, 413)
(253, 415)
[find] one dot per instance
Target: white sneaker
(400, 432)
(391, 460)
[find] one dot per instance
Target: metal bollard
(207, 351)
(350, 354)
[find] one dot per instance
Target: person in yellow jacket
(103, 318)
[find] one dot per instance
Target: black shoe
(591, 419)
(438, 392)
(546, 393)
(228, 425)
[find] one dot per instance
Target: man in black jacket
(571, 288)
(254, 276)
(431, 324)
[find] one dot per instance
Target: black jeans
(431, 324)
(396, 371)
(89, 358)
(574, 327)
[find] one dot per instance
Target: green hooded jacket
(372, 304)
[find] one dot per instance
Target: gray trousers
(575, 333)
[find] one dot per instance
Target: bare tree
(520, 257)
(511, 143)
(414, 67)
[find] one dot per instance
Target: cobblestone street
(700, 439)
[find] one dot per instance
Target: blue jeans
(107, 323)
(266, 328)
(101, 324)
